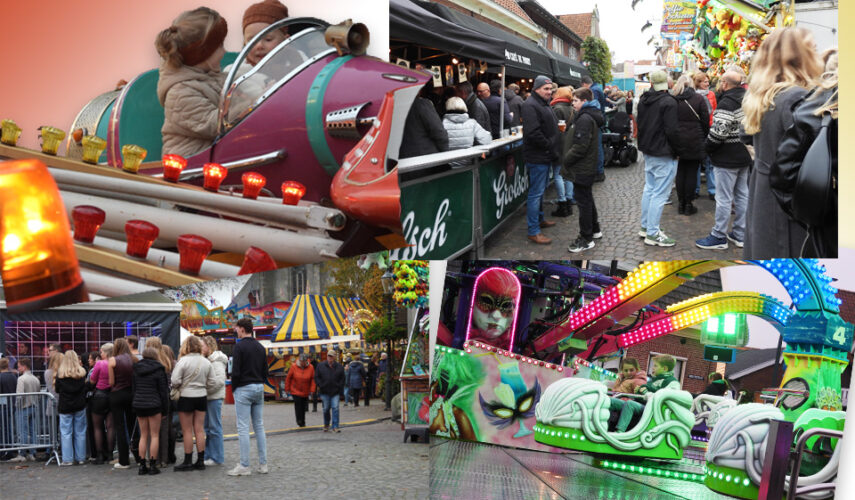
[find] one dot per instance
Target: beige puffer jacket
(219, 364)
(191, 100)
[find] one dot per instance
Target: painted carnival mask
(494, 307)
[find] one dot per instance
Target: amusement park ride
(304, 168)
(521, 323)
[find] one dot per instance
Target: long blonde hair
(69, 366)
(785, 59)
(191, 345)
(829, 81)
(165, 359)
(682, 83)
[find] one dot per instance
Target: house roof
(537, 11)
(512, 6)
(750, 361)
(579, 23)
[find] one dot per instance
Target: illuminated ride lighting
(132, 157)
(173, 165)
(193, 250)
(469, 345)
(214, 175)
(256, 260)
(651, 471)
(38, 263)
(141, 235)
(516, 303)
(87, 220)
(253, 182)
(292, 192)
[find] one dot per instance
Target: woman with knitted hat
(190, 80)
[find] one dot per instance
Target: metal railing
(29, 423)
(793, 490)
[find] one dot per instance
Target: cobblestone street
(368, 459)
(618, 202)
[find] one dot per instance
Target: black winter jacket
(514, 104)
(580, 141)
(693, 121)
(540, 132)
(423, 131)
(494, 107)
(478, 111)
(724, 146)
(330, 380)
(657, 124)
(72, 394)
(151, 386)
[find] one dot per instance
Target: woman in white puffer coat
(463, 132)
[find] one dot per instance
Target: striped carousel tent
(315, 322)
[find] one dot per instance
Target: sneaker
(239, 470)
(210, 462)
(580, 245)
(336, 430)
(669, 202)
(326, 429)
(120, 466)
(66, 463)
(31, 458)
(19, 458)
(660, 239)
(732, 238)
(643, 232)
(710, 242)
(262, 469)
(598, 235)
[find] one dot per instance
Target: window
(679, 366)
(298, 282)
(557, 45)
(573, 53)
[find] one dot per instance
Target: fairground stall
(519, 363)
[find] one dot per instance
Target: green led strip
(729, 481)
(650, 471)
(575, 439)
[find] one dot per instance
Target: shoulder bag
(815, 183)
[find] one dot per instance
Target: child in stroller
(617, 142)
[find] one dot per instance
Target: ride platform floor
(479, 471)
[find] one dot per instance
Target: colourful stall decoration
(411, 282)
(318, 320)
(415, 378)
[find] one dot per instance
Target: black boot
(200, 460)
(152, 467)
(560, 210)
(681, 208)
(690, 209)
(187, 465)
(143, 470)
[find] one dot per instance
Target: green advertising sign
(437, 217)
(504, 187)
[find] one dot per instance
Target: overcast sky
(620, 26)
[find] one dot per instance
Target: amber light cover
(292, 192)
(38, 263)
(141, 235)
(252, 184)
(87, 220)
(214, 175)
(256, 260)
(193, 250)
(173, 165)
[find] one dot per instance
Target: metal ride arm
(794, 491)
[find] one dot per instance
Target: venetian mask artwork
(494, 308)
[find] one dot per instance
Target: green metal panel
(502, 194)
(315, 115)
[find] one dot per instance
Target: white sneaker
(239, 470)
(66, 463)
(262, 469)
(210, 462)
(31, 458)
(19, 458)
(117, 465)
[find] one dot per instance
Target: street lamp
(388, 281)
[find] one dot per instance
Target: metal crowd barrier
(26, 425)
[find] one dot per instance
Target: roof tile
(579, 23)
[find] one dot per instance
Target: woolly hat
(268, 11)
(540, 81)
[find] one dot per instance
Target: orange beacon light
(38, 263)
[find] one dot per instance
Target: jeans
(330, 403)
(588, 220)
(249, 403)
(27, 428)
(659, 173)
(562, 187)
(537, 177)
(72, 430)
(630, 409)
(600, 155)
(214, 431)
(346, 395)
(732, 191)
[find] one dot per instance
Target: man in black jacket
(8, 385)
(657, 138)
(731, 162)
(423, 131)
(580, 166)
(329, 377)
(477, 110)
(489, 95)
(515, 102)
(540, 152)
(249, 372)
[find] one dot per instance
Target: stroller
(617, 146)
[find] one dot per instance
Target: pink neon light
(516, 304)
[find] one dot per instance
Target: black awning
(523, 58)
(409, 21)
(566, 71)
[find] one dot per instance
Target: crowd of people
(124, 403)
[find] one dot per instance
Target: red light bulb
(87, 220)
(173, 165)
(292, 192)
(252, 184)
(214, 175)
(256, 260)
(193, 250)
(141, 235)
